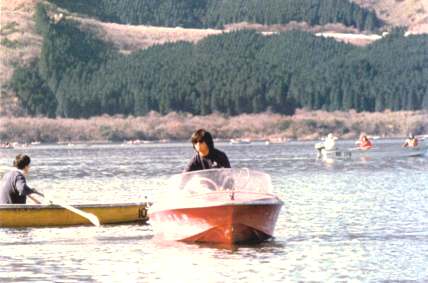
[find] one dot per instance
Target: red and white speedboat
(223, 206)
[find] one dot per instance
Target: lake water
(350, 220)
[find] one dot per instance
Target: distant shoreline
(269, 127)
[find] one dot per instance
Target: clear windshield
(235, 179)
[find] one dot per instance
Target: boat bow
(218, 206)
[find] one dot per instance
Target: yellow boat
(36, 215)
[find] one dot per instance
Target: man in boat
(14, 188)
(364, 143)
(328, 144)
(411, 141)
(206, 156)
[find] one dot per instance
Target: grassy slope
(19, 44)
(303, 125)
(410, 13)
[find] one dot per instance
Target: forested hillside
(240, 72)
(217, 13)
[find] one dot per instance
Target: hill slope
(411, 14)
(20, 44)
(233, 73)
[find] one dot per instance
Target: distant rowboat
(35, 215)
(5, 146)
(376, 152)
(240, 141)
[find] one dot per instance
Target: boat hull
(32, 215)
(223, 224)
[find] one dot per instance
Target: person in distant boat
(328, 144)
(364, 143)
(5, 145)
(206, 156)
(411, 141)
(14, 188)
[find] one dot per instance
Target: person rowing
(364, 143)
(411, 141)
(14, 188)
(329, 144)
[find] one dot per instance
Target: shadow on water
(266, 246)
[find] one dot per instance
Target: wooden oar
(91, 217)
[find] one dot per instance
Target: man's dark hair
(203, 136)
(21, 161)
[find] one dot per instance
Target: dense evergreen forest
(217, 13)
(78, 75)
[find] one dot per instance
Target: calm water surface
(350, 221)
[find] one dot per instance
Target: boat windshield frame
(221, 179)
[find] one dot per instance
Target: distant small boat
(36, 215)
(223, 206)
(277, 140)
(137, 141)
(240, 141)
(6, 146)
(376, 152)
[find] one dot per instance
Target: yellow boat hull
(34, 215)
